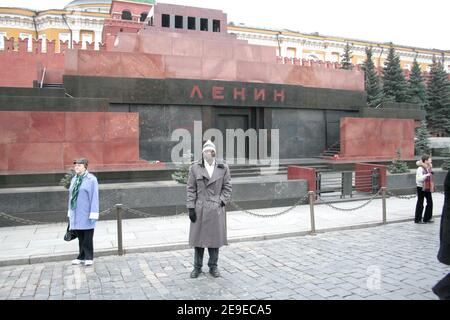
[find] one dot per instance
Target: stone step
(53, 86)
(31, 92)
(256, 174)
(329, 153)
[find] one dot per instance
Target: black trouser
(213, 257)
(442, 288)
(86, 244)
(419, 206)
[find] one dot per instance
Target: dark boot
(198, 262)
(195, 273)
(214, 272)
(212, 263)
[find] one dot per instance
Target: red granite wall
(376, 138)
(49, 141)
(303, 173)
(141, 65)
(20, 69)
(207, 56)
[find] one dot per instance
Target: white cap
(209, 146)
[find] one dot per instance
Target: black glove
(192, 215)
(222, 204)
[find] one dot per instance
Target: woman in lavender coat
(83, 210)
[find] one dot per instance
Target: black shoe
(435, 291)
(214, 272)
(196, 272)
(429, 221)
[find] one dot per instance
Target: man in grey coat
(208, 191)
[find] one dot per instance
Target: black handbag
(70, 234)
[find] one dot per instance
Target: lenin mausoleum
(115, 93)
(113, 80)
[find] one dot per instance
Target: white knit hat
(209, 146)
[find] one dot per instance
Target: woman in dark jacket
(442, 288)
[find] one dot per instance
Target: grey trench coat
(205, 195)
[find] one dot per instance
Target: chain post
(119, 229)
(375, 179)
(383, 197)
(312, 197)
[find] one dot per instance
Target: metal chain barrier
(272, 215)
(148, 215)
(321, 201)
(106, 212)
(101, 214)
(31, 222)
(401, 197)
(259, 215)
(104, 199)
(408, 197)
(19, 220)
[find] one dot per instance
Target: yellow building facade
(80, 20)
(325, 48)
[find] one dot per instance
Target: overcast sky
(416, 23)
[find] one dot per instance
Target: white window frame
(85, 42)
(291, 52)
(24, 36)
(335, 57)
(64, 36)
(43, 37)
(2, 40)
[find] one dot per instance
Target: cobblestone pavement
(396, 261)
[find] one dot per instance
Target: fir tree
(438, 104)
(372, 81)
(422, 144)
(182, 174)
(65, 181)
(346, 62)
(398, 166)
(394, 84)
(417, 91)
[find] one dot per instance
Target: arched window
(143, 16)
(313, 57)
(126, 15)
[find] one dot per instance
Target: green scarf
(76, 189)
